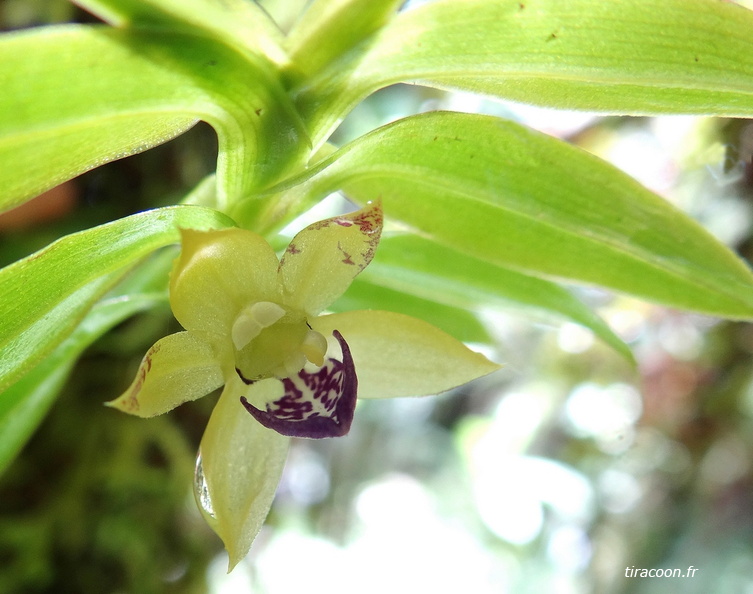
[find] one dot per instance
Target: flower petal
(316, 405)
(397, 355)
(178, 368)
(218, 274)
(324, 258)
(240, 466)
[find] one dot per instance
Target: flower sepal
(178, 368)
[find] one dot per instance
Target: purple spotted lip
(314, 405)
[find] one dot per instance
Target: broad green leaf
(75, 97)
(30, 337)
(515, 198)
(268, 213)
(457, 322)
(44, 296)
(396, 355)
(420, 267)
(626, 57)
(37, 160)
(241, 22)
(24, 404)
(331, 28)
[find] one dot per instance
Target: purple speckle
(315, 405)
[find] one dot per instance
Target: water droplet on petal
(201, 490)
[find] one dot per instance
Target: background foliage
(659, 476)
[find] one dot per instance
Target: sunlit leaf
(460, 323)
(330, 28)
(417, 266)
(75, 97)
(44, 296)
(519, 199)
(24, 404)
(626, 57)
(241, 22)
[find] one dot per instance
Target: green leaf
(519, 199)
(457, 322)
(24, 404)
(330, 28)
(421, 267)
(627, 57)
(75, 97)
(38, 160)
(240, 22)
(43, 297)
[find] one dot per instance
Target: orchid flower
(255, 325)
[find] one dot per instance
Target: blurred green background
(554, 475)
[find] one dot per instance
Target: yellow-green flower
(255, 325)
